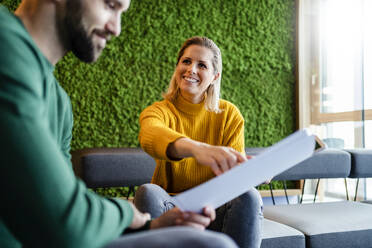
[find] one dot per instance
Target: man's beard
(78, 40)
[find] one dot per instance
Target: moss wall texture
(256, 38)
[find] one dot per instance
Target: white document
(271, 162)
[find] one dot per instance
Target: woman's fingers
(231, 158)
(219, 158)
(215, 168)
(228, 158)
(239, 157)
(249, 156)
(223, 163)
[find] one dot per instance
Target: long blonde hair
(212, 95)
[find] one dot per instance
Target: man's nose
(114, 25)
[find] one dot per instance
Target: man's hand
(175, 217)
(139, 219)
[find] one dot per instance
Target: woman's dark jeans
(240, 218)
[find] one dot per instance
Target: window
(335, 75)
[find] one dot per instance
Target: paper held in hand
(271, 162)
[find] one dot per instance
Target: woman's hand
(175, 217)
(219, 158)
(139, 219)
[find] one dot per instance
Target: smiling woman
(195, 73)
(199, 60)
(194, 136)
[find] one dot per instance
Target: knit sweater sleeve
(234, 129)
(155, 134)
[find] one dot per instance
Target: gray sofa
(314, 225)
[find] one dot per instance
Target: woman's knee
(150, 191)
(152, 199)
(251, 199)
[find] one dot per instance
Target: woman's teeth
(191, 80)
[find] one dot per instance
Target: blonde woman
(194, 136)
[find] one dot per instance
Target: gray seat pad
(327, 224)
(281, 236)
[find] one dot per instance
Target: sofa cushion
(276, 235)
(329, 163)
(361, 163)
(327, 224)
(113, 167)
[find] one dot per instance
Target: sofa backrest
(121, 167)
(329, 163)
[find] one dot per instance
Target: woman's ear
(216, 77)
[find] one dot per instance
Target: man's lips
(102, 37)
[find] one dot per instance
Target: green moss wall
(256, 38)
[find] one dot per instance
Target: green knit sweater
(42, 203)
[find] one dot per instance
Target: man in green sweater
(43, 203)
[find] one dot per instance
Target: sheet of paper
(271, 162)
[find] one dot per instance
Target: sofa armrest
(113, 167)
(361, 163)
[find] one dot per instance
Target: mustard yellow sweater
(164, 122)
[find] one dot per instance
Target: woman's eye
(203, 65)
(186, 61)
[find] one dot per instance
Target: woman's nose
(192, 68)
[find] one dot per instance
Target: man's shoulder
(19, 55)
(4, 12)
(8, 21)
(13, 33)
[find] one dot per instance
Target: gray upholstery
(113, 167)
(281, 236)
(329, 163)
(337, 224)
(332, 224)
(361, 163)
